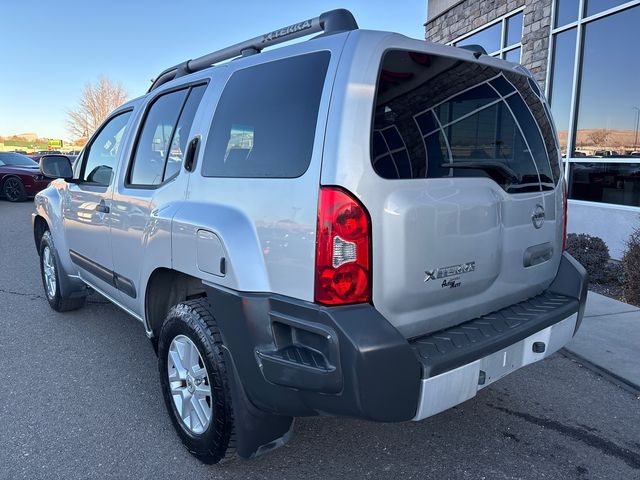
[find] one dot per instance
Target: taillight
(342, 249)
(564, 214)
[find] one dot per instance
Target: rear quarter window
(438, 117)
(265, 122)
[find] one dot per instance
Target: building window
(596, 6)
(502, 38)
(597, 107)
(609, 102)
(566, 12)
(514, 29)
(617, 183)
(560, 83)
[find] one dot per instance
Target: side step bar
(334, 21)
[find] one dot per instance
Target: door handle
(190, 157)
(102, 207)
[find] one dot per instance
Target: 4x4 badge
(450, 271)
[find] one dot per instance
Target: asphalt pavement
(80, 398)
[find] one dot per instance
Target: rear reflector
(342, 249)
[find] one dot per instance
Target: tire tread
(59, 303)
(197, 314)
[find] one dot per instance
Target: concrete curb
(609, 375)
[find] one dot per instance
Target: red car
(20, 177)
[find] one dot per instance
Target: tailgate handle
(537, 254)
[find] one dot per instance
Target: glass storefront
(597, 110)
(616, 183)
(609, 87)
(560, 83)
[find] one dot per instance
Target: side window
(163, 139)
(155, 138)
(100, 157)
(265, 122)
(181, 133)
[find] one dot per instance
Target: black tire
(194, 320)
(13, 190)
(55, 299)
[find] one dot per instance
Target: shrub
(592, 253)
(631, 265)
(614, 274)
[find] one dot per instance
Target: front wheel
(195, 383)
(50, 271)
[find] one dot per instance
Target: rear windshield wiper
(496, 167)
(546, 183)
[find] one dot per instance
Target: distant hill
(591, 139)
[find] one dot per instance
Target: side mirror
(56, 166)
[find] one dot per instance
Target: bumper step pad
(453, 347)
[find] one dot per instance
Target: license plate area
(500, 364)
(456, 386)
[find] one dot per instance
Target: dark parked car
(36, 156)
(20, 177)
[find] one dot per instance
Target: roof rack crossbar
(334, 21)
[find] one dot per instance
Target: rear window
(265, 122)
(437, 117)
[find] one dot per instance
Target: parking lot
(80, 399)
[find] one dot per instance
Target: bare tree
(599, 136)
(95, 104)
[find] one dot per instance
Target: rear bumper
(297, 358)
(453, 387)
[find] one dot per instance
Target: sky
(50, 49)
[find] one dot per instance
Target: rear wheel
(195, 382)
(51, 273)
(13, 190)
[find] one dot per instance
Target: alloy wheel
(49, 270)
(12, 189)
(189, 384)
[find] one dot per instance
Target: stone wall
(471, 14)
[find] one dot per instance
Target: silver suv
(361, 224)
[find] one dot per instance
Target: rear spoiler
(476, 49)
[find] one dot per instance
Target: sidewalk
(609, 339)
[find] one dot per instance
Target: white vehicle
(361, 224)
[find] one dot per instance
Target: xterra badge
(443, 272)
(295, 28)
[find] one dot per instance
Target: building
(584, 54)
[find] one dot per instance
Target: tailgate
(466, 210)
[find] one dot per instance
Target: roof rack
(334, 21)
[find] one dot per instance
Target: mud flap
(257, 432)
